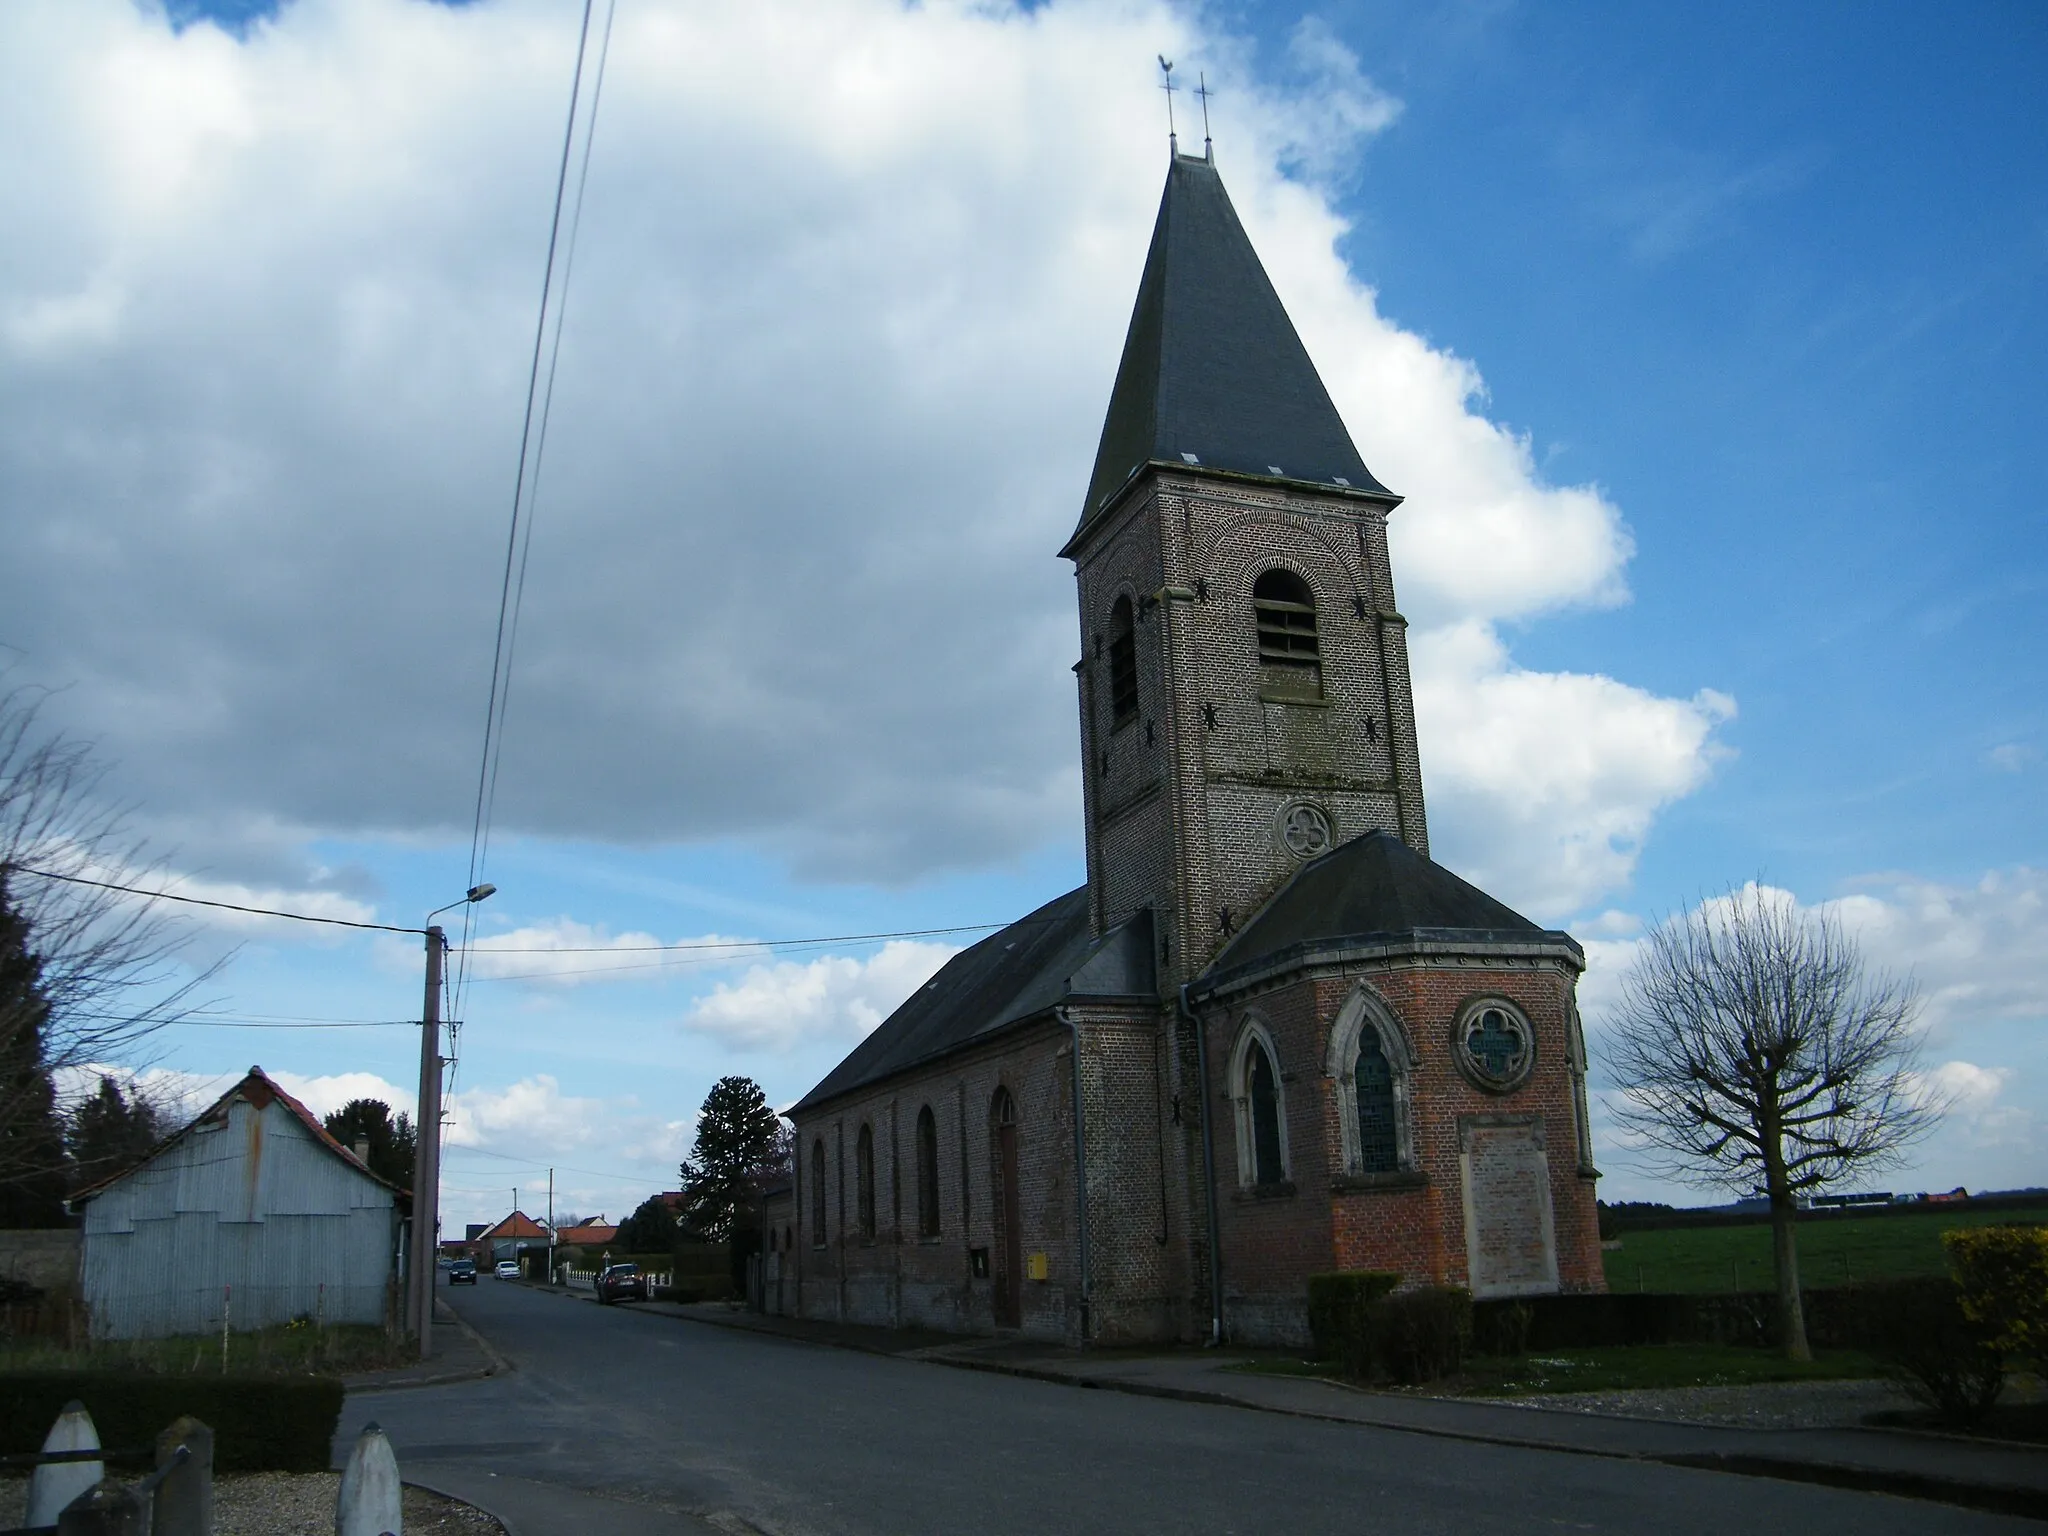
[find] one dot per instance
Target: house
(250, 1216)
(1270, 1035)
(517, 1234)
(592, 1236)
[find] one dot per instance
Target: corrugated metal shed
(254, 1210)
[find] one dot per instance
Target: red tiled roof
(518, 1224)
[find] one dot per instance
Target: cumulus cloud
(1543, 785)
(1978, 953)
(780, 1006)
(850, 285)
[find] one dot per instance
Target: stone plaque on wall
(1510, 1238)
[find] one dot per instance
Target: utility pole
(426, 1180)
(551, 1226)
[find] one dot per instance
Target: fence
(586, 1279)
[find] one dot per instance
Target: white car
(508, 1269)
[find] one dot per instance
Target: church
(1269, 1037)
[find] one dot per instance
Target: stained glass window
(1263, 1091)
(1379, 1141)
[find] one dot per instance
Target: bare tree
(106, 969)
(1755, 1051)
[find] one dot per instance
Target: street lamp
(426, 1171)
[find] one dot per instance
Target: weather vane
(1166, 69)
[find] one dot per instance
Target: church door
(1009, 1275)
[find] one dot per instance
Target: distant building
(251, 1214)
(517, 1234)
(596, 1233)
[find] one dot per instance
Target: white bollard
(371, 1501)
(52, 1487)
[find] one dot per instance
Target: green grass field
(1833, 1250)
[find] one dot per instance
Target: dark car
(620, 1282)
(462, 1272)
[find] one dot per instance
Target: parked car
(508, 1269)
(620, 1282)
(462, 1272)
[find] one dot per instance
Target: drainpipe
(1066, 1017)
(1208, 1173)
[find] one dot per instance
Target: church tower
(1244, 691)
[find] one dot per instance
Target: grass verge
(292, 1349)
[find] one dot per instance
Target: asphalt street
(687, 1427)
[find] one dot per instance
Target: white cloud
(1979, 952)
(777, 1007)
(2012, 757)
(1543, 785)
(850, 286)
(565, 952)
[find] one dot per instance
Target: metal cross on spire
(1202, 90)
(1166, 69)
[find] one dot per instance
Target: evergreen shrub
(2002, 1284)
(1420, 1335)
(1337, 1304)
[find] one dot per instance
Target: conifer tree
(110, 1131)
(31, 1135)
(390, 1137)
(739, 1142)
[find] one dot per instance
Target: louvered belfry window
(1290, 660)
(1123, 663)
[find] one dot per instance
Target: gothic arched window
(1261, 1116)
(1123, 663)
(864, 1176)
(1265, 1097)
(1290, 658)
(1371, 1062)
(818, 1191)
(927, 1173)
(1379, 1138)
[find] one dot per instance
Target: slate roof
(1373, 888)
(1212, 365)
(1035, 964)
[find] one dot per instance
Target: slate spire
(1212, 365)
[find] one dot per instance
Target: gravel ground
(1759, 1405)
(293, 1504)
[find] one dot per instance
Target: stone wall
(46, 1259)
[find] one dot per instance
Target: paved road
(697, 1428)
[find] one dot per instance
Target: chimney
(363, 1150)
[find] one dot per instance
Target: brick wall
(1183, 801)
(1323, 1218)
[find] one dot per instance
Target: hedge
(1858, 1316)
(259, 1423)
(2002, 1280)
(1337, 1306)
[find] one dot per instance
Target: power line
(200, 901)
(488, 948)
(519, 533)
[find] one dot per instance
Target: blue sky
(1733, 569)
